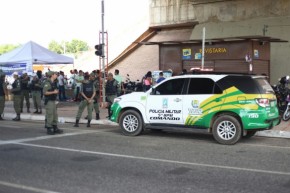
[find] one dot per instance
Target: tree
(7, 48)
(73, 47)
(55, 47)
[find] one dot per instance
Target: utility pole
(203, 47)
(103, 55)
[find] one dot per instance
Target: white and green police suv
(228, 106)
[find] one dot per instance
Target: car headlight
(117, 99)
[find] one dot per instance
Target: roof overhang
(189, 24)
(218, 40)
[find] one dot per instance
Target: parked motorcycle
(286, 114)
(132, 86)
(281, 92)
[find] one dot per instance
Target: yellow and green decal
(231, 99)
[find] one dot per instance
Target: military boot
(57, 130)
(97, 116)
(77, 123)
(17, 118)
(89, 123)
(50, 131)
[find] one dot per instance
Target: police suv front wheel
(227, 130)
(131, 123)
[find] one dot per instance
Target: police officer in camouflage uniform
(16, 91)
(50, 92)
(24, 79)
(97, 96)
(88, 93)
(36, 88)
(3, 93)
(111, 92)
(94, 77)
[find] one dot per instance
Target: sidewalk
(67, 112)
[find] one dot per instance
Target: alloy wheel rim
(130, 123)
(226, 130)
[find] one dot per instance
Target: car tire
(227, 129)
(131, 123)
(250, 133)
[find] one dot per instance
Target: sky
(42, 21)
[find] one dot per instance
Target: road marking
(12, 126)
(47, 137)
(22, 187)
(157, 159)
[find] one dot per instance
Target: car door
(202, 100)
(164, 104)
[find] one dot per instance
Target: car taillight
(263, 102)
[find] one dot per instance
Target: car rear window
(245, 84)
(264, 85)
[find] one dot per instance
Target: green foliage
(72, 47)
(7, 48)
(55, 47)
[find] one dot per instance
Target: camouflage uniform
(25, 92)
(97, 96)
(96, 82)
(36, 88)
(16, 91)
(3, 93)
(87, 91)
(111, 92)
(50, 92)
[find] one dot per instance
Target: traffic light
(99, 49)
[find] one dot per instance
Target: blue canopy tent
(23, 58)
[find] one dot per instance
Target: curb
(280, 134)
(60, 119)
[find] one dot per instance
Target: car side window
(203, 86)
(170, 87)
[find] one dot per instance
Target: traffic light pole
(103, 55)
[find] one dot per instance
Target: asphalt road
(102, 160)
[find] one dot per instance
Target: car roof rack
(219, 73)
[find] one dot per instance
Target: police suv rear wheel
(227, 130)
(131, 123)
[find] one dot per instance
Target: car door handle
(177, 100)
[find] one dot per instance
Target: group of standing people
(90, 94)
(3, 93)
(20, 89)
(87, 87)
